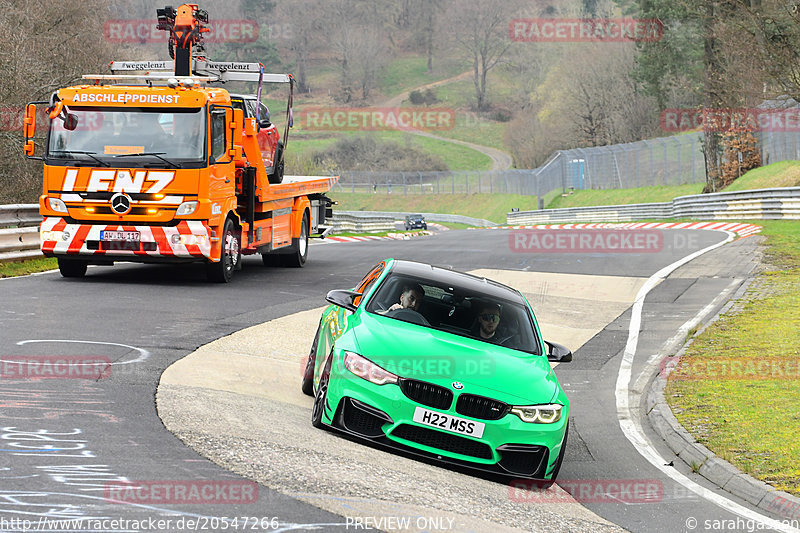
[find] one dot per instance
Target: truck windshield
(176, 135)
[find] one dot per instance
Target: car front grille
(443, 441)
(427, 393)
(481, 407)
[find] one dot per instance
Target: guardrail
(763, 204)
(19, 232)
(429, 217)
(358, 222)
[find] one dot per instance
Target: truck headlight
(538, 414)
(57, 205)
(186, 208)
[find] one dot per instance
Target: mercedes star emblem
(121, 203)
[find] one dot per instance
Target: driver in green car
(410, 298)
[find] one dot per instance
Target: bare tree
(480, 31)
(45, 46)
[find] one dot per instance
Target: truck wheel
(230, 256)
(299, 254)
(72, 268)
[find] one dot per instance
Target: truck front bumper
(189, 240)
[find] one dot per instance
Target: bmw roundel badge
(458, 385)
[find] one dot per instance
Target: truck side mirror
(29, 128)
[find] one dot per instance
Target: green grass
(456, 157)
(639, 195)
(22, 268)
(752, 423)
(489, 206)
(782, 174)
(407, 73)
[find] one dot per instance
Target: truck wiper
(82, 152)
(154, 154)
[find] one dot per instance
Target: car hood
(442, 358)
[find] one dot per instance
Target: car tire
(321, 397)
(72, 268)
(230, 255)
(299, 254)
(307, 385)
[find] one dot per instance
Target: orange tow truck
(157, 163)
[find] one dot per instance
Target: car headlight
(186, 208)
(538, 414)
(57, 205)
(366, 369)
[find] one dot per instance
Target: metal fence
(675, 160)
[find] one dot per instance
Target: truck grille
(481, 407)
(427, 393)
(443, 441)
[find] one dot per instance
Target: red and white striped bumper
(189, 239)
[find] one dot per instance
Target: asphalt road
(62, 441)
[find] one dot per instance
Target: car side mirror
(343, 298)
(264, 123)
(558, 353)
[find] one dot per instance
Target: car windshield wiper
(82, 152)
(154, 154)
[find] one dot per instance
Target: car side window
(369, 280)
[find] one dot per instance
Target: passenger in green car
(410, 298)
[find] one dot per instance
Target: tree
(45, 46)
(482, 36)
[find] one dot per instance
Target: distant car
(415, 222)
(425, 382)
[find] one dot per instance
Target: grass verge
(640, 195)
(489, 206)
(750, 417)
(22, 268)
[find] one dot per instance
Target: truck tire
(72, 268)
(230, 255)
(299, 250)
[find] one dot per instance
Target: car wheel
(297, 258)
(230, 256)
(308, 373)
(321, 397)
(72, 268)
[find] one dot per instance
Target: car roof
(465, 281)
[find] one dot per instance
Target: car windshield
(133, 134)
(456, 310)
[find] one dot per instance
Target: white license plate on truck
(107, 235)
(449, 423)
